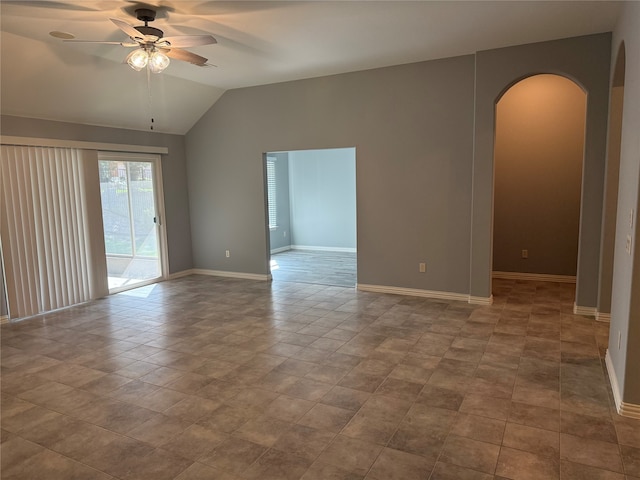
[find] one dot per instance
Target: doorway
(311, 216)
(539, 150)
(131, 219)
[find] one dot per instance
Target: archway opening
(539, 153)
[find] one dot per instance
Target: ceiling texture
(258, 43)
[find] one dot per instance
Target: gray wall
(176, 199)
(538, 172)
(625, 301)
(586, 60)
(323, 198)
(281, 235)
(412, 126)
(612, 177)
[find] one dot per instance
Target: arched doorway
(538, 160)
(610, 210)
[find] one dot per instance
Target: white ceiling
(258, 43)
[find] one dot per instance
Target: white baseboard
(4, 319)
(481, 300)
(220, 273)
(323, 249)
(603, 317)
(630, 410)
(540, 277)
(183, 273)
(286, 248)
(413, 292)
(587, 311)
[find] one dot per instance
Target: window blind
(271, 192)
(51, 245)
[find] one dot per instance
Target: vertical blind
(52, 250)
(271, 192)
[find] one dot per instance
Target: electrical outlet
(227, 254)
(628, 245)
(422, 267)
(525, 253)
(284, 234)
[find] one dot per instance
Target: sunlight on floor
(140, 292)
(118, 282)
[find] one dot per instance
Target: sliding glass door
(128, 188)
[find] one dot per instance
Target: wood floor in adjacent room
(213, 378)
(317, 267)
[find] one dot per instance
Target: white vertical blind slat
(66, 229)
(24, 246)
(58, 250)
(83, 237)
(44, 242)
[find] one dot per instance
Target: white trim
(286, 248)
(481, 300)
(540, 277)
(183, 273)
(4, 319)
(603, 317)
(587, 311)
(220, 273)
(413, 292)
(323, 249)
(158, 199)
(630, 410)
(54, 142)
(613, 380)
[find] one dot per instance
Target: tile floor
(209, 378)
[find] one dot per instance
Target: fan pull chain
(149, 92)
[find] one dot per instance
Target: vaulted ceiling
(258, 43)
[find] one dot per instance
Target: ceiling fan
(154, 49)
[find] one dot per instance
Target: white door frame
(156, 163)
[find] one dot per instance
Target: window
(271, 192)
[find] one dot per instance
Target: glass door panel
(129, 219)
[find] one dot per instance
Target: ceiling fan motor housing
(145, 30)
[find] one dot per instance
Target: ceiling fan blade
(183, 41)
(124, 44)
(185, 56)
(128, 29)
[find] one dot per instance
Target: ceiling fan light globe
(138, 59)
(158, 61)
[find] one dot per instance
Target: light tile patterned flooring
(209, 378)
